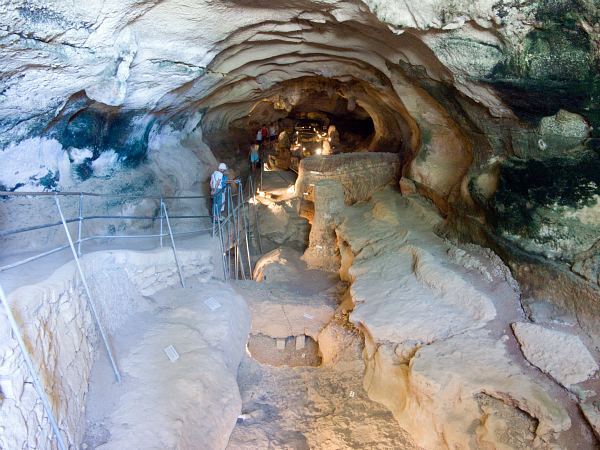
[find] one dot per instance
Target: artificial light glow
(318, 151)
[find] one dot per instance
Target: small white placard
(171, 353)
(308, 316)
(212, 304)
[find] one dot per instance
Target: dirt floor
(297, 408)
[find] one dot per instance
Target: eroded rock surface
(561, 355)
(177, 400)
(400, 289)
(434, 335)
(56, 322)
(289, 299)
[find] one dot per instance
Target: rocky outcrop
(92, 100)
(587, 264)
(177, 399)
(359, 174)
(434, 346)
(328, 200)
(561, 355)
(57, 325)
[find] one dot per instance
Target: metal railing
(233, 231)
(81, 218)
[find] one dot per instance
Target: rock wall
(492, 107)
(434, 318)
(360, 174)
(175, 162)
(58, 328)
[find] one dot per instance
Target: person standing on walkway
(254, 158)
(264, 131)
(218, 181)
(273, 131)
(259, 137)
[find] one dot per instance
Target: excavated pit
(292, 351)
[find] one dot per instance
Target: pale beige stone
(407, 186)
(561, 355)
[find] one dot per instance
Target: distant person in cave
(254, 158)
(259, 137)
(273, 132)
(218, 181)
(264, 131)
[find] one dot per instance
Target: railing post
(80, 224)
(164, 208)
(161, 222)
(246, 226)
(222, 252)
(37, 384)
(89, 295)
(255, 207)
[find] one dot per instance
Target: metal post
(222, 253)
(242, 222)
(37, 384)
(262, 168)
(161, 222)
(256, 217)
(79, 226)
(164, 207)
(231, 231)
(89, 295)
(246, 225)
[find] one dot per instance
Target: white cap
(222, 166)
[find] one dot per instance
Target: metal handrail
(91, 302)
(75, 246)
(94, 194)
(82, 218)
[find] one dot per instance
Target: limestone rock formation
(592, 414)
(587, 264)
(561, 355)
(432, 347)
(178, 399)
(322, 253)
(490, 108)
(290, 299)
(359, 174)
(123, 96)
(55, 318)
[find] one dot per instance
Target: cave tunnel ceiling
(458, 89)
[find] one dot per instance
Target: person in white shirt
(273, 132)
(218, 180)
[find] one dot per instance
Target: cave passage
(421, 271)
